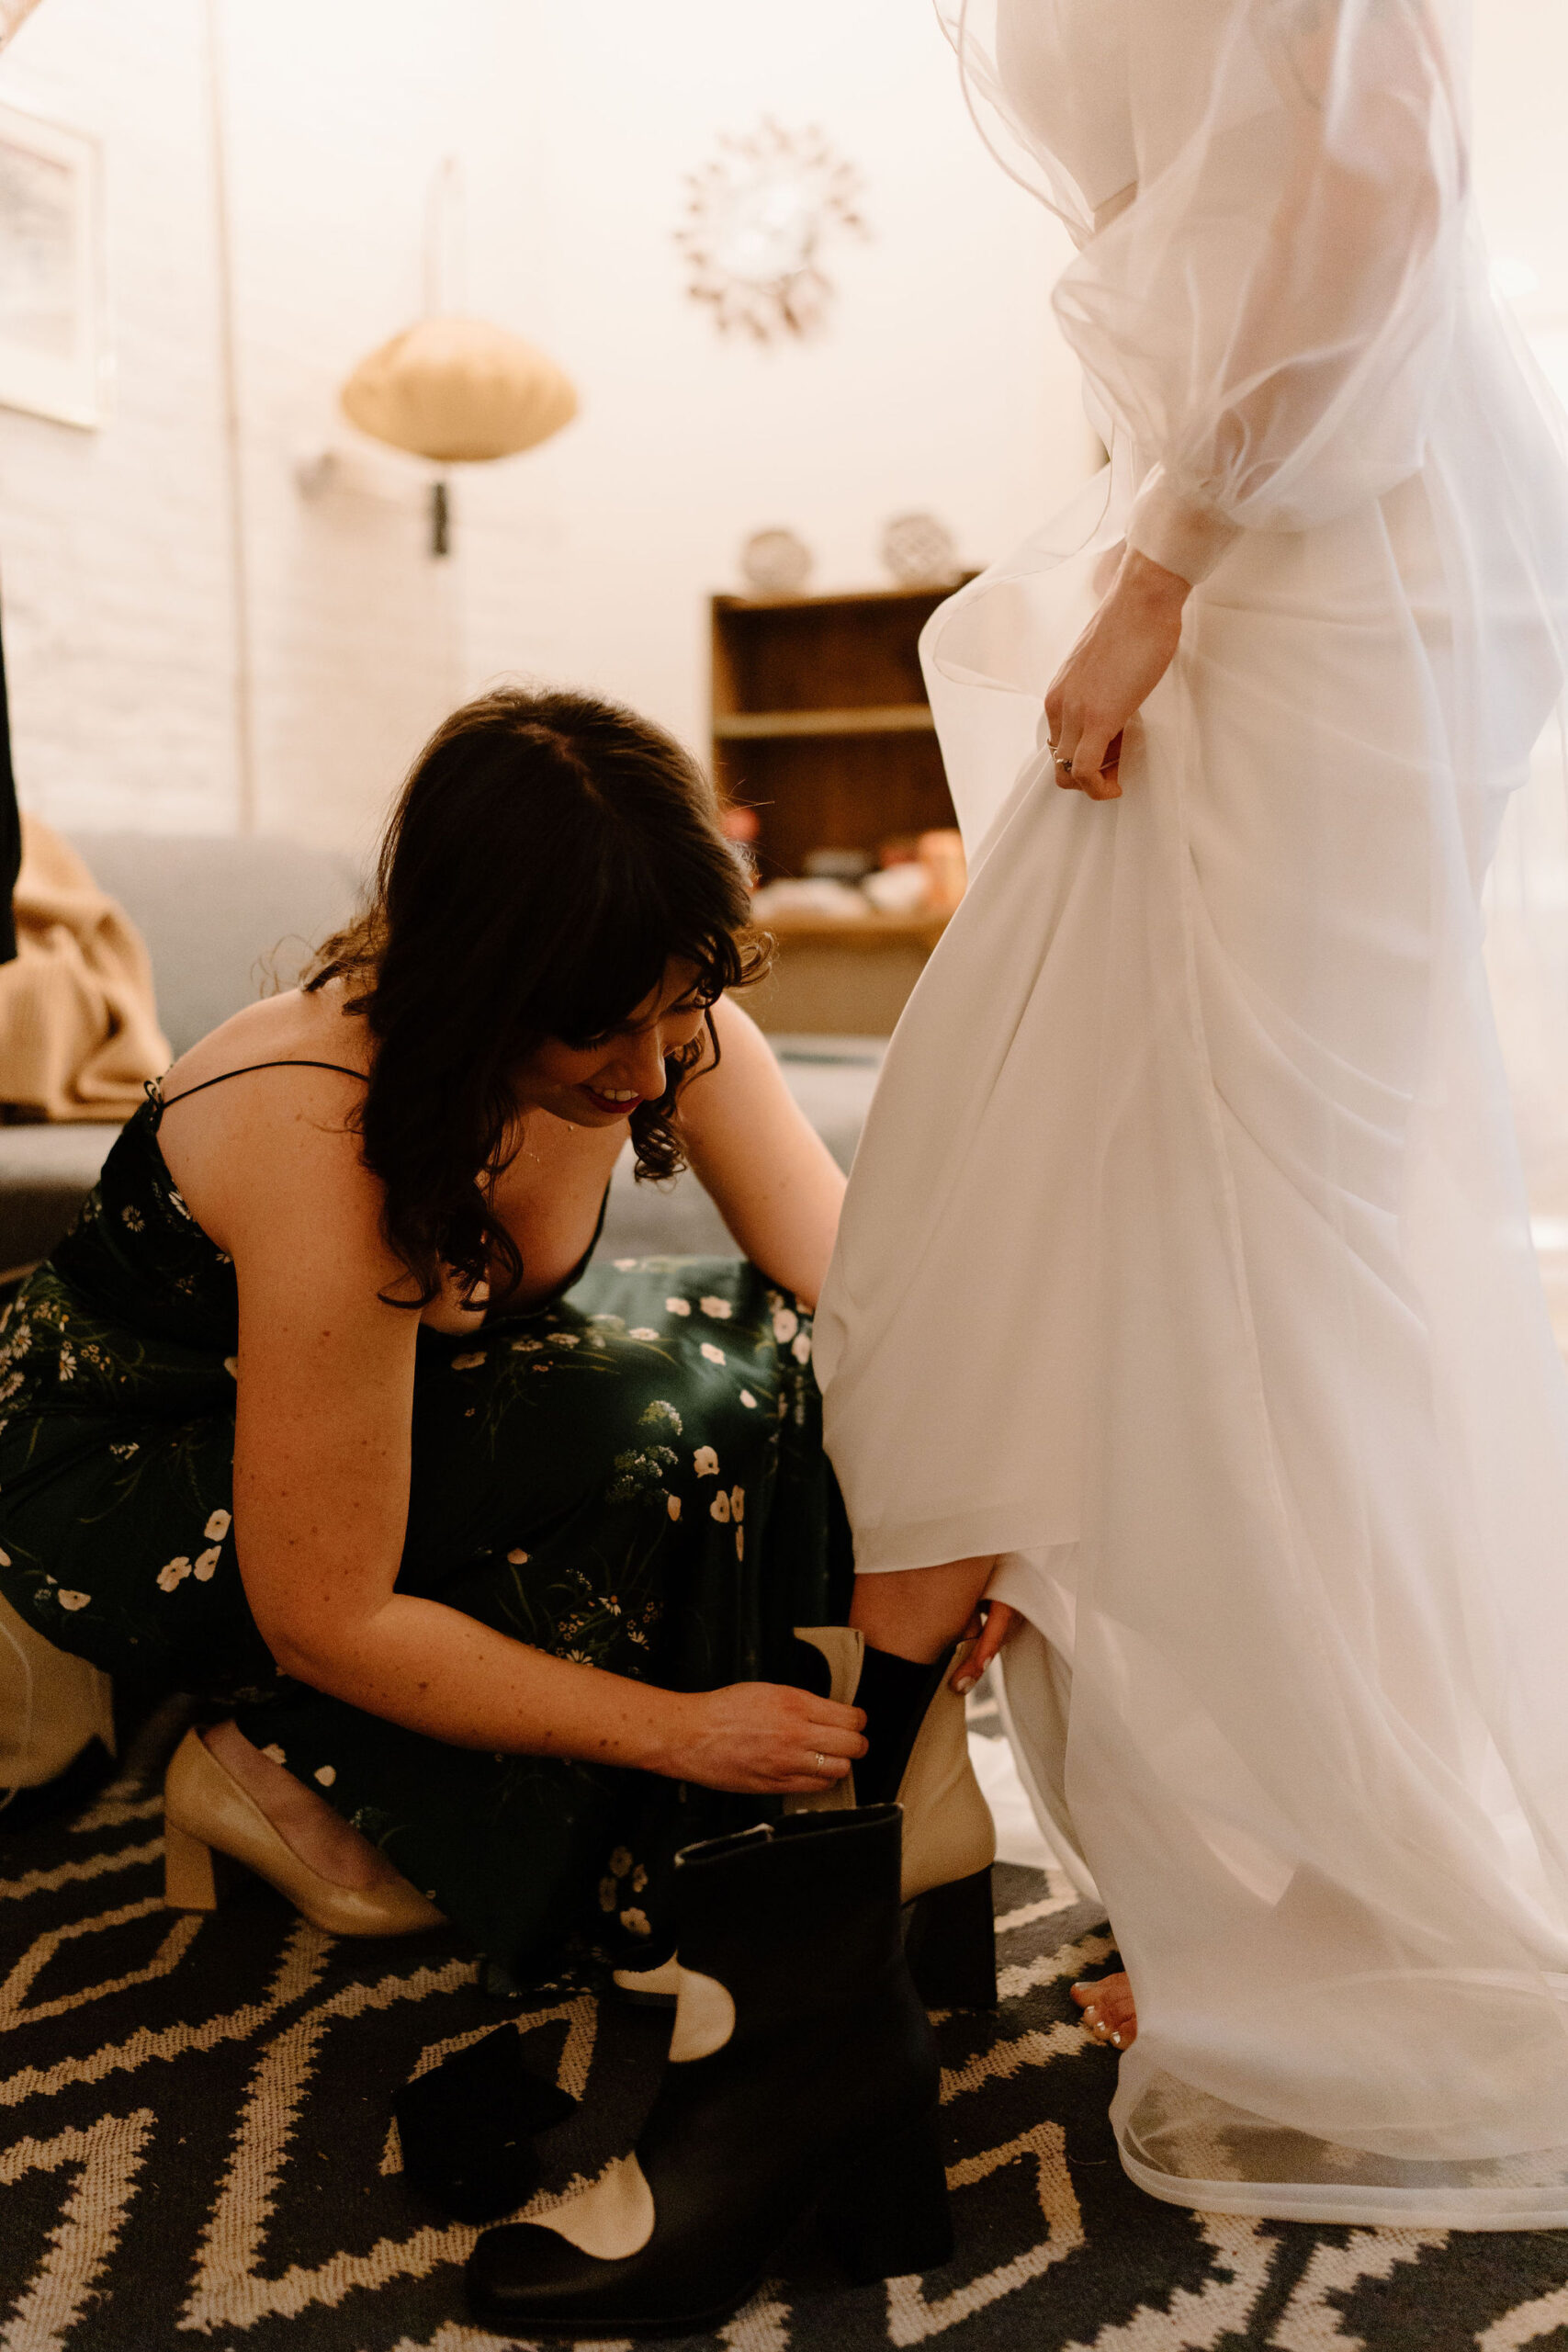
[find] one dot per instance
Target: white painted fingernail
(1117, 2039)
(966, 1682)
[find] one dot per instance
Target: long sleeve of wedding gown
(1268, 300)
(1271, 313)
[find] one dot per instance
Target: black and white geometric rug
(195, 2148)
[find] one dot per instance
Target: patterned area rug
(196, 2145)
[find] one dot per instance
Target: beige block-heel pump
(209, 1821)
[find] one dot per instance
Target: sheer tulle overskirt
(1194, 1148)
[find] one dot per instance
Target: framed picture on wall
(52, 358)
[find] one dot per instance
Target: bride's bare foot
(1108, 2010)
(304, 1821)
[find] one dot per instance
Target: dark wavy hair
(548, 855)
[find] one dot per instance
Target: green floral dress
(631, 1475)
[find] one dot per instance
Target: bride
(1184, 1301)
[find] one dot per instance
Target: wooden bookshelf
(820, 724)
(820, 721)
(882, 718)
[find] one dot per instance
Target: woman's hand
(990, 1627)
(764, 1739)
(1110, 672)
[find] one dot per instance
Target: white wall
(1521, 98)
(940, 382)
(113, 553)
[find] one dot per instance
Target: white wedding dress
(1186, 1263)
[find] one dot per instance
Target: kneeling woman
(321, 1410)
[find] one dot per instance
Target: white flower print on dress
(205, 1564)
(800, 1347)
(719, 1309)
(706, 1461)
(714, 1355)
(469, 1362)
(747, 1400)
(642, 1332)
(678, 1305)
(73, 1599)
(639, 1879)
(660, 1413)
(172, 1572)
(518, 1559)
(217, 1526)
(786, 1323)
(720, 1507)
(673, 1505)
(621, 1862)
(740, 1543)
(326, 1774)
(275, 1752)
(636, 1922)
(568, 1339)
(527, 1347)
(737, 1502)
(231, 1366)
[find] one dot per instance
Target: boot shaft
(793, 1926)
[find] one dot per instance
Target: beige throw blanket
(79, 1029)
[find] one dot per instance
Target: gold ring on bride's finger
(1065, 765)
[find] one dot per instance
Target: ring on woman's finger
(1065, 765)
(820, 1761)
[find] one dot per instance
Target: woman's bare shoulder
(239, 1151)
(289, 1027)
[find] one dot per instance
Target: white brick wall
(939, 385)
(113, 551)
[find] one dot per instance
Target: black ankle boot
(801, 2072)
(919, 1756)
(895, 1693)
(468, 2128)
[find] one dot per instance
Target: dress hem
(1320, 2203)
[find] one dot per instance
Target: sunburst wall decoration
(757, 217)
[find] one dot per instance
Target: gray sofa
(221, 918)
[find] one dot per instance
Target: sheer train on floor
(1192, 1156)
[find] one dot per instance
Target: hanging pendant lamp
(456, 390)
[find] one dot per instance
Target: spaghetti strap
(166, 1102)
